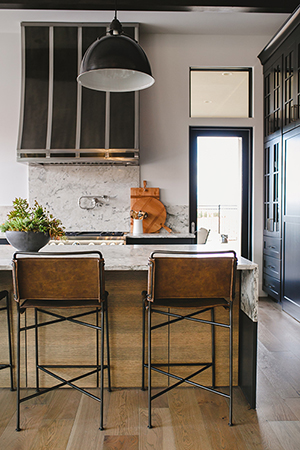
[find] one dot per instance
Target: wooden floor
(183, 419)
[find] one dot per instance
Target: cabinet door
(272, 188)
(291, 224)
(273, 98)
(291, 80)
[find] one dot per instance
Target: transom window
(220, 93)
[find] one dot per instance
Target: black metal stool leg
(230, 363)
(213, 353)
(149, 367)
(143, 346)
(101, 363)
(18, 372)
(107, 347)
(97, 345)
(9, 343)
(36, 350)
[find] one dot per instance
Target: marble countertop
(123, 257)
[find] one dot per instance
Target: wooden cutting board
(147, 199)
(136, 193)
(156, 211)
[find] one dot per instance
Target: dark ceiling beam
(275, 6)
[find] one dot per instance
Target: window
(220, 93)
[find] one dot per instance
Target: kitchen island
(126, 276)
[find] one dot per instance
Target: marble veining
(249, 293)
(60, 187)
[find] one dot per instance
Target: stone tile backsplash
(60, 187)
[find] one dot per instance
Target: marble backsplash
(59, 188)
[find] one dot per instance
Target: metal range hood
(118, 157)
(62, 122)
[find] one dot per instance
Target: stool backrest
(58, 276)
(191, 275)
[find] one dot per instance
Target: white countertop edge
(122, 257)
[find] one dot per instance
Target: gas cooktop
(91, 238)
(94, 234)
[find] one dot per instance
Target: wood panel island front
(126, 269)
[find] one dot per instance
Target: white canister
(137, 226)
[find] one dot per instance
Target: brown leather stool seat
(204, 281)
(52, 284)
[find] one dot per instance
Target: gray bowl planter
(27, 241)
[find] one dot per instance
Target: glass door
(220, 186)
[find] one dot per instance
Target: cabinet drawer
(272, 266)
(272, 247)
(271, 286)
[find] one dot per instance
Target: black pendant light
(115, 63)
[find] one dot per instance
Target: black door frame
(246, 134)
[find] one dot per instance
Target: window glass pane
(219, 93)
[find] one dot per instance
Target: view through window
(219, 188)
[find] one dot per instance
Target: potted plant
(30, 228)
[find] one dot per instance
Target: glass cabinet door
(272, 187)
(273, 98)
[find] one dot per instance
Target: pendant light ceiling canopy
(115, 63)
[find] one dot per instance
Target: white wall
(13, 176)
(165, 112)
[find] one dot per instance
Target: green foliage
(37, 219)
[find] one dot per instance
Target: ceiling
(158, 16)
(274, 6)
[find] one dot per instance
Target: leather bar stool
(53, 284)
(201, 281)
(4, 296)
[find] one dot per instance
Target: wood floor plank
(121, 443)
(7, 408)
(270, 406)
(62, 404)
(288, 434)
(244, 434)
(86, 425)
(278, 376)
(294, 405)
(123, 412)
(270, 340)
(280, 324)
(159, 402)
(53, 434)
(32, 419)
(161, 436)
(214, 413)
(189, 431)
(269, 439)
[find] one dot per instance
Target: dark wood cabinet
(290, 81)
(273, 97)
(272, 218)
(281, 253)
(291, 223)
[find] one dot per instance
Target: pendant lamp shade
(115, 63)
